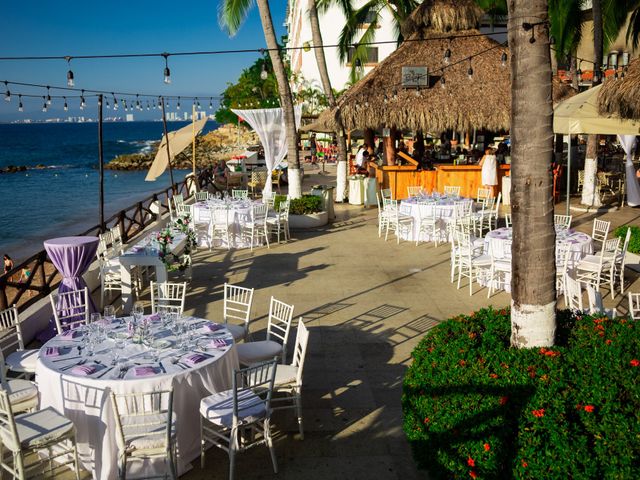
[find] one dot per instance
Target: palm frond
(633, 30)
(232, 14)
(614, 17)
(566, 18)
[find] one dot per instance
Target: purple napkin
(220, 343)
(83, 370)
(194, 359)
(52, 351)
(144, 371)
(70, 334)
(155, 317)
(212, 327)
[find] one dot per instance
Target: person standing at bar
(489, 166)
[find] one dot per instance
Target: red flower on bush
(473, 474)
(538, 413)
(608, 342)
(589, 408)
(487, 447)
(634, 362)
(493, 375)
(504, 400)
(426, 420)
(462, 363)
(524, 464)
(471, 462)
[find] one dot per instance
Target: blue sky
(44, 27)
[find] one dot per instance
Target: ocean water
(62, 199)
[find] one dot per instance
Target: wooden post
(166, 136)
(390, 147)
(193, 131)
(101, 163)
(418, 147)
(369, 137)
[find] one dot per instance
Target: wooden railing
(17, 287)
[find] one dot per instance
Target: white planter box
(311, 220)
(632, 261)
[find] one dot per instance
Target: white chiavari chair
(634, 305)
(17, 358)
(70, 309)
(428, 223)
(562, 222)
(168, 297)
(239, 194)
(594, 269)
(237, 307)
(201, 196)
(256, 226)
(482, 194)
(414, 191)
(452, 191)
(600, 231)
(279, 223)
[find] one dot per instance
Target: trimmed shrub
(300, 206)
(476, 408)
(634, 241)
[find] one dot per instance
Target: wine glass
(138, 311)
(109, 313)
(95, 317)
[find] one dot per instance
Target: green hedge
(475, 408)
(634, 241)
(301, 206)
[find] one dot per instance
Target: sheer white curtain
(633, 189)
(268, 123)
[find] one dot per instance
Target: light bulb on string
(7, 94)
(44, 104)
(20, 108)
(66, 107)
(115, 102)
(82, 102)
(418, 94)
(386, 99)
(395, 94)
(178, 104)
(470, 71)
(148, 105)
(48, 96)
(446, 59)
(503, 59)
(154, 105)
(124, 104)
(167, 72)
(264, 74)
(70, 79)
(106, 101)
(358, 63)
(443, 82)
(138, 107)
(210, 104)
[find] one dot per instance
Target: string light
(44, 104)
(7, 94)
(66, 107)
(446, 59)
(48, 97)
(210, 103)
(503, 59)
(115, 102)
(70, 80)
(20, 109)
(138, 103)
(395, 94)
(148, 105)
(167, 72)
(358, 63)
(178, 105)
(82, 102)
(470, 71)
(106, 100)
(264, 74)
(442, 82)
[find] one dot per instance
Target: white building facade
(303, 63)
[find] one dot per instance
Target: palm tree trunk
(316, 35)
(589, 191)
(286, 100)
(533, 296)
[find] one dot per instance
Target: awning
(178, 141)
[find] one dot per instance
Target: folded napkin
(83, 370)
(155, 317)
(220, 343)
(194, 358)
(212, 327)
(144, 371)
(70, 334)
(52, 351)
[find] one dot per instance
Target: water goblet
(109, 313)
(91, 346)
(95, 317)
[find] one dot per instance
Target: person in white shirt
(360, 154)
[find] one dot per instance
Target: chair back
(414, 191)
(451, 190)
(483, 193)
(202, 214)
(300, 349)
(168, 297)
(389, 204)
(600, 230)
(386, 193)
(220, 215)
(237, 303)
(8, 431)
(563, 255)
(269, 199)
(427, 210)
(610, 248)
(283, 208)
(280, 317)
(625, 246)
(146, 416)
(255, 380)
(10, 331)
(507, 220)
(634, 305)
(202, 196)
(562, 221)
(241, 194)
(496, 205)
(70, 309)
(258, 178)
(116, 239)
(178, 199)
(183, 210)
(259, 212)
(573, 293)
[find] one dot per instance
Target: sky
(42, 27)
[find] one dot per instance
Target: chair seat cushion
(286, 374)
(218, 408)
(237, 331)
(22, 360)
(21, 390)
(40, 428)
(253, 352)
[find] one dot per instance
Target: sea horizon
(62, 199)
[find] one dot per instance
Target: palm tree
(231, 15)
(341, 180)
(533, 303)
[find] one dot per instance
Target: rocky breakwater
(220, 144)
(21, 168)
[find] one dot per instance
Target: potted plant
(305, 212)
(632, 258)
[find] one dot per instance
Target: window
(372, 55)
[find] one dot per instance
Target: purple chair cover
(72, 257)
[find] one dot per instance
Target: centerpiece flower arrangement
(165, 238)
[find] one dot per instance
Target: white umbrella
(178, 141)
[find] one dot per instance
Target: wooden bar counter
(469, 177)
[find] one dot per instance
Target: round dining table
(193, 357)
(580, 243)
(444, 213)
(237, 213)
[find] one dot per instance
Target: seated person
(220, 175)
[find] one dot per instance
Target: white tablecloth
(239, 213)
(444, 213)
(581, 245)
(145, 254)
(85, 399)
(356, 191)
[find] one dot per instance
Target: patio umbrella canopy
(379, 100)
(622, 96)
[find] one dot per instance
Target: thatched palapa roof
(379, 100)
(622, 96)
